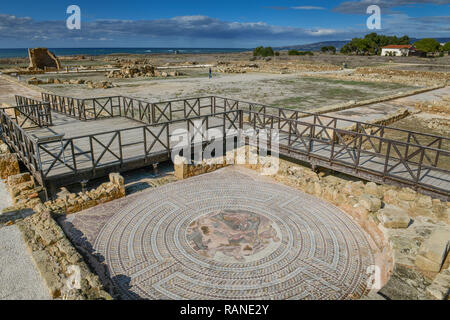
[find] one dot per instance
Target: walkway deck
(93, 137)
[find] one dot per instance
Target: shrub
(428, 45)
(300, 53)
(263, 52)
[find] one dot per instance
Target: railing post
(386, 163)
(72, 150)
(168, 140)
(333, 144)
(358, 158)
(120, 147)
(92, 153)
(312, 137)
(145, 142)
(289, 136)
(438, 153)
(419, 170)
(407, 145)
(153, 114)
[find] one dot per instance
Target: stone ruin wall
(42, 59)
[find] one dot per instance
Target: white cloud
(308, 8)
(360, 7)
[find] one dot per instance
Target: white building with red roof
(399, 50)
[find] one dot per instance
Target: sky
(212, 24)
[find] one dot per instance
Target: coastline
(12, 53)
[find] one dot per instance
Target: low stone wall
(383, 74)
(25, 194)
(55, 257)
(9, 165)
(240, 156)
(183, 170)
(65, 273)
(68, 203)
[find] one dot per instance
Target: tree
(300, 53)
(331, 49)
(263, 52)
(372, 43)
(428, 45)
(446, 47)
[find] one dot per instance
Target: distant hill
(315, 46)
(441, 40)
(337, 44)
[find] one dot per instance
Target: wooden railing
(358, 148)
(69, 106)
(407, 162)
(119, 106)
(89, 153)
(265, 114)
(21, 142)
(31, 112)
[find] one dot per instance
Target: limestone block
(19, 178)
(391, 197)
(4, 148)
(318, 189)
(394, 217)
(424, 202)
(116, 179)
(370, 203)
(9, 165)
(372, 189)
(434, 250)
(407, 195)
(180, 166)
(16, 189)
(440, 288)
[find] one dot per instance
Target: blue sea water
(13, 53)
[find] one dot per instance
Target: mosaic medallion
(231, 234)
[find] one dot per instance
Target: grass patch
(372, 85)
(342, 93)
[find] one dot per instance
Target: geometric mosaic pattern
(230, 234)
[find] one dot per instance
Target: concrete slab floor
(19, 278)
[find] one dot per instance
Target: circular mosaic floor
(233, 235)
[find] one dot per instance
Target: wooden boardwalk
(368, 164)
(86, 139)
(90, 147)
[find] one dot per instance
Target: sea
(23, 52)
